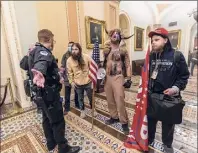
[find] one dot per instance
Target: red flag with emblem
(138, 135)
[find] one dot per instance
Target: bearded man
(117, 65)
(67, 85)
(78, 75)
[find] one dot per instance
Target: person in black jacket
(169, 79)
(67, 84)
(24, 60)
(46, 78)
(24, 65)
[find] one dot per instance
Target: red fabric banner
(138, 136)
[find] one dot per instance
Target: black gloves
(127, 84)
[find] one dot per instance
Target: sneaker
(95, 113)
(168, 149)
(82, 114)
(125, 129)
(111, 121)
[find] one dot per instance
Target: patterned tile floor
(18, 128)
(8, 110)
(185, 137)
(31, 121)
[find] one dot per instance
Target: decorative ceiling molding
(162, 7)
(175, 6)
(153, 10)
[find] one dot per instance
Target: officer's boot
(65, 148)
(51, 145)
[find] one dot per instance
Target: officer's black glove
(127, 84)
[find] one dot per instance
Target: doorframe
(15, 51)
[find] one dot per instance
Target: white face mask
(69, 48)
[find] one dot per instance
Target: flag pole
(93, 105)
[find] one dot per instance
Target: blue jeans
(67, 98)
(80, 91)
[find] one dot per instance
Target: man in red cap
(168, 76)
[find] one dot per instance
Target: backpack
(24, 63)
(27, 87)
(177, 58)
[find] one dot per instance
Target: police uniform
(41, 59)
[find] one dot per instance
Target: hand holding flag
(138, 136)
(93, 68)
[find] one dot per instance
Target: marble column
(14, 48)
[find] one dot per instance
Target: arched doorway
(124, 24)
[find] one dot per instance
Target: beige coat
(77, 75)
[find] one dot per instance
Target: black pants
(193, 63)
(167, 132)
(80, 90)
(54, 124)
(67, 98)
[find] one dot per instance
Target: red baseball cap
(159, 31)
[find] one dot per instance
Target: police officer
(45, 76)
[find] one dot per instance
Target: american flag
(93, 68)
(96, 52)
(138, 135)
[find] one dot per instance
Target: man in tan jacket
(78, 71)
(118, 69)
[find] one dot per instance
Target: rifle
(39, 99)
